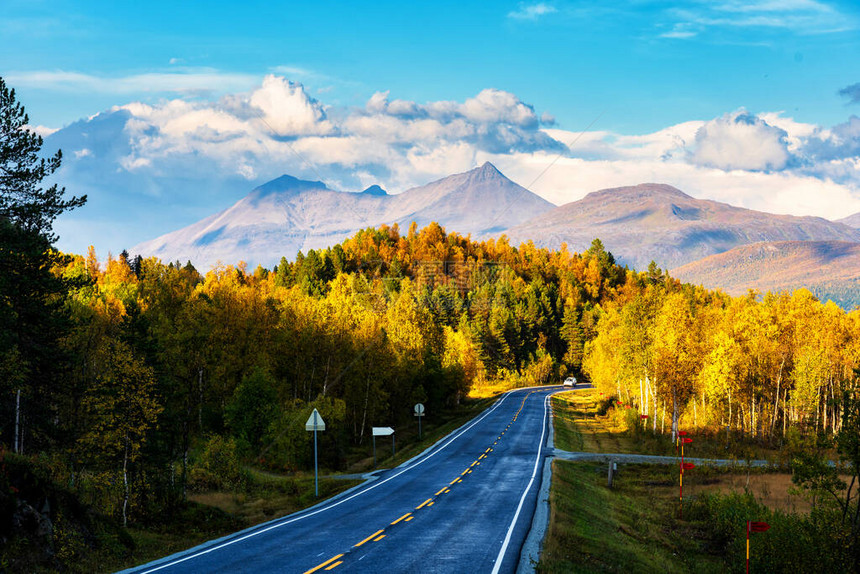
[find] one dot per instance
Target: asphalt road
(465, 505)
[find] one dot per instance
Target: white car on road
(570, 382)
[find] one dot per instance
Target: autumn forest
(131, 381)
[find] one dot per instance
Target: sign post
(382, 431)
(419, 412)
(315, 423)
(678, 440)
(683, 439)
(753, 526)
(684, 466)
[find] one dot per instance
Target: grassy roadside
(629, 528)
(586, 421)
(582, 424)
(433, 429)
(634, 526)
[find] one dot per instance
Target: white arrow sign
(382, 431)
(315, 422)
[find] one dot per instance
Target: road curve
(464, 505)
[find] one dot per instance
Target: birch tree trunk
(776, 397)
(125, 485)
(674, 414)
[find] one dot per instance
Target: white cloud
(570, 179)
(177, 81)
(532, 11)
(288, 109)
(740, 140)
(43, 131)
(85, 152)
(798, 16)
(182, 149)
(681, 31)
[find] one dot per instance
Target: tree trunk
(200, 401)
(655, 409)
(824, 412)
(674, 414)
(364, 415)
(730, 407)
(695, 414)
(647, 397)
(776, 397)
(185, 441)
(125, 485)
(663, 420)
(15, 445)
(752, 417)
(325, 380)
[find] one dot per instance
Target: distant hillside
(830, 269)
(287, 214)
(659, 222)
(851, 220)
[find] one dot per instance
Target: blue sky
(168, 111)
(644, 65)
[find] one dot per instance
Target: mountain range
(658, 222)
(851, 220)
(829, 269)
(286, 215)
(701, 241)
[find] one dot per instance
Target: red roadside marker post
(753, 526)
(684, 466)
(684, 440)
(678, 440)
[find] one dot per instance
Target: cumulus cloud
(43, 131)
(408, 143)
(195, 156)
(288, 109)
(740, 140)
(494, 120)
(279, 124)
(835, 152)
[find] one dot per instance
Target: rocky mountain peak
(486, 172)
(287, 183)
(374, 190)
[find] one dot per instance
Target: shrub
(218, 467)
(794, 543)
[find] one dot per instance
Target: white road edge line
(507, 541)
(338, 503)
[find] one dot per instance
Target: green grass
(630, 528)
(579, 426)
(585, 421)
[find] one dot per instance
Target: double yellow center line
(335, 561)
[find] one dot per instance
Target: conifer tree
(30, 295)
